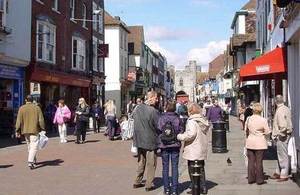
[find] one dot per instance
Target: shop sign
(11, 72)
(263, 68)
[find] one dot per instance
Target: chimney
(117, 18)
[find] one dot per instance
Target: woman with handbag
(62, 115)
(256, 128)
(195, 140)
(82, 120)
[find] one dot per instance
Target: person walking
(282, 130)
(256, 128)
(248, 112)
(62, 115)
(110, 112)
(195, 140)
(170, 125)
(97, 114)
(82, 119)
(30, 122)
(215, 113)
(145, 139)
(49, 114)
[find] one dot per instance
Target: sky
(181, 30)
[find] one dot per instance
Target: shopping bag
(43, 140)
(133, 149)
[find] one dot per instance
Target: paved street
(104, 167)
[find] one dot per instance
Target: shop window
(78, 54)
(46, 43)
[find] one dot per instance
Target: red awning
(269, 66)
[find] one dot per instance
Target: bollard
(196, 178)
(219, 140)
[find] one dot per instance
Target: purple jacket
(177, 124)
(214, 114)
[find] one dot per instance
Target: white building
(185, 80)
(15, 47)
(116, 65)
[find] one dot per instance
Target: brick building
(61, 52)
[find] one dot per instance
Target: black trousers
(81, 127)
(96, 124)
(255, 166)
(202, 174)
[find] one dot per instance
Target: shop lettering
(263, 68)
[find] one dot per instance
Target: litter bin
(219, 140)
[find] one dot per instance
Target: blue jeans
(173, 155)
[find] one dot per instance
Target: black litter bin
(219, 140)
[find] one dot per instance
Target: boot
(203, 180)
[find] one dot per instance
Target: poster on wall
(35, 89)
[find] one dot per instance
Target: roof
(136, 36)
(201, 77)
(250, 6)
(240, 39)
(114, 21)
(216, 66)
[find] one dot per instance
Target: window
(72, 9)
(95, 17)
(79, 54)
(100, 20)
(121, 41)
(3, 10)
(181, 82)
(46, 41)
(101, 60)
(95, 55)
(84, 15)
(55, 5)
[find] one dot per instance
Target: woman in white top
(110, 112)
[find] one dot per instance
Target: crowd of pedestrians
(181, 125)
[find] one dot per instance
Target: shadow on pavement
(5, 166)
(158, 182)
(55, 162)
(187, 184)
(92, 141)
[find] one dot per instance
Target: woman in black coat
(82, 120)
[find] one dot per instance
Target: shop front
(271, 70)
(11, 96)
(49, 87)
(98, 90)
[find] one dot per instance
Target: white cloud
(206, 54)
(172, 57)
(162, 33)
(203, 55)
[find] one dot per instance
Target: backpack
(168, 136)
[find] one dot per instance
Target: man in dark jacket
(146, 140)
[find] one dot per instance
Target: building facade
(99, 53)
(61, 66)
(243, 50)
(116, 64)
(15, 44)
(185, 80)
